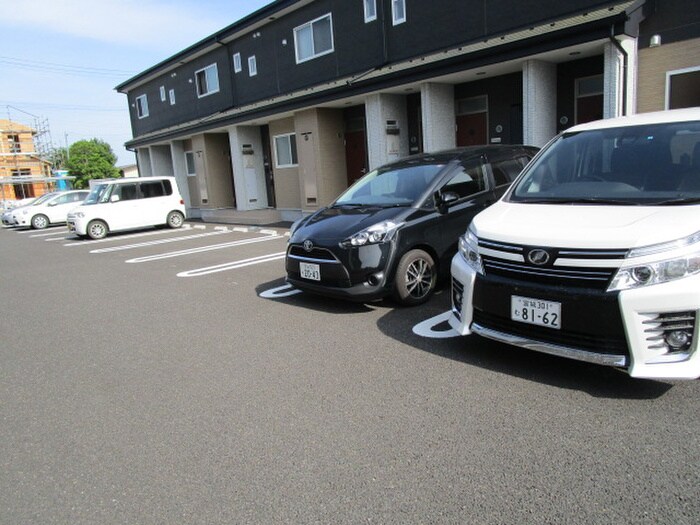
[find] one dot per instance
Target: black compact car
(396, 229)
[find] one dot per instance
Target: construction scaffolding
(25, 150)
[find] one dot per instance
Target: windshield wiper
(677, 201)
(580, 200)
(349, 205)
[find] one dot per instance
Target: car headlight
(469, 249)
(378, 233)
(660, 271)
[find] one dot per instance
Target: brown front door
(355, 155)
(589, 108)
(471, 129)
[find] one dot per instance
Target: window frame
(292, 153)
(394, 19)
(215, 67)
(237, 63)
(187, 164)
(669, 77)
(162, 94)
(370, 17)
(252, 66)
(141, 103)
(171, 96)
(310, 24)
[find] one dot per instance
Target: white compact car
(127, 204)
(51, 208)
(594, 252)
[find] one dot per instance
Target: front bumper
(617, 329)
(76, 225)
(355, 274)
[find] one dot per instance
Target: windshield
(638, 165)
(392, 185)
(99, 193)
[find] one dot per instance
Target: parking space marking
(156, 242)
(281, 291)
(62, 231)
(191, 251)
(426, 328)
(128, 236)
(232, 265)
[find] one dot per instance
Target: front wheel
(175, 219)
(97, 230)
(415, 278)
(39, 222)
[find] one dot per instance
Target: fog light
(678, 339)
(642, 274)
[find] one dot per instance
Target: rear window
(156, 188)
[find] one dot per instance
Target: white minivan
(594, 252)
(126, 204)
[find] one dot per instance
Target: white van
(126, 204)
(594, 252)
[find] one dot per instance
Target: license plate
(310, 271)
(535, 311)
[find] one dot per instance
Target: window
(252, 66)
(126, 192)
(683, 88)
(207, 81)
(142, 106)
(189, 161)
(237, 66)
(314, 39)
(370, 10)
(171, 93)
(286, 150)
(14, 143)
(398, 11)
(156, 188)
(468, 181)
(505, 171)
(162, 93)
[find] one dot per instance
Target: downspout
(625, 62)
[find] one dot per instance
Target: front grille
(318, 254)
(457, 296)
(607, 344)
(515, 265)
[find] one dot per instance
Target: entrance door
(589, 99)
(472, 121)
(267, 163)
(355, 143)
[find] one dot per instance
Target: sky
(61, 59)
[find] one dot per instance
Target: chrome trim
(548, 348)
(312, 260)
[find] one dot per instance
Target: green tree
(91, 159)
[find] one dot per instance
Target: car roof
(641, 119)
(124, 180)
(445, 156)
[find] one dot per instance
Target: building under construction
(25, 169)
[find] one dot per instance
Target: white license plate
(535, 311)
(310, 271)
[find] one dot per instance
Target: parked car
(16, 212)
(394, 230)
(594, 252)
(127, 204)
(50, 209)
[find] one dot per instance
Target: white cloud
(146, 23)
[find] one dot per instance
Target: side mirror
(443, 200)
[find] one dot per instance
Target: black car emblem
(308, 245)
(538, 257)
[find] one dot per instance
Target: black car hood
(333, 225)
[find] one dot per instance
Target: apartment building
(276, 114)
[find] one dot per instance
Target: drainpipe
(625, 61)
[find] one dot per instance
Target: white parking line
(232, 265)
(281, 291)
(62, 231)
(154, 243)
(190, 251)
(129, 236)
(426, 328)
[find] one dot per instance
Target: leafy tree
(91, 159)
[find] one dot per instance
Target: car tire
(39, 221)
(415, 279)
(175, 219)
(97, 229)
